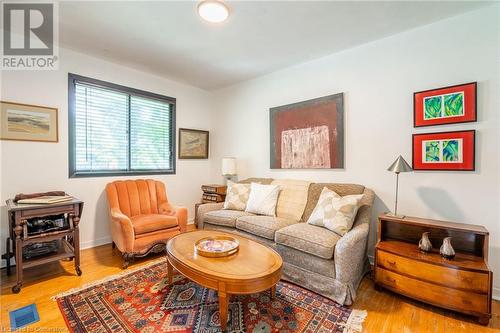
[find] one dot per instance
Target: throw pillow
(334, 212)
(263, 199)
(236, 196)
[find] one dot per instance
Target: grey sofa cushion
(224, 217)
(263, 226)
(306, 261)
(311, 239)
(268, 242)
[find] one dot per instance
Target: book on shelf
(46, 199)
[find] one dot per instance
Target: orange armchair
(142, 219)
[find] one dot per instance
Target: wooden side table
(212, 193)
(68, 240)
(463, 284)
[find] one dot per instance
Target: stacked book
(213, 193)
(46, 199)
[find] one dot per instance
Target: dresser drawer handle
(467, 280)
(391, 263)
(388, 279)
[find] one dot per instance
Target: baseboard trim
(95, 242)
(496, 293)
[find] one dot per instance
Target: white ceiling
(169, 39)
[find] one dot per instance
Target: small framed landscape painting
(448, 105)
(26, 122)
(444, 151)
(193, 144)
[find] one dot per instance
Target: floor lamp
(399, 165)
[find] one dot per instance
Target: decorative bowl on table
(216, 246)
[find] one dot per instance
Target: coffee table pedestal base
(223, 297)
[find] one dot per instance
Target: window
(115, 130)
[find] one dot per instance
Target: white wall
(33, 167)
(378, 80)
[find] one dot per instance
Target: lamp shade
(229, 166)
(400, 165)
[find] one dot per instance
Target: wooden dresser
(463, 284)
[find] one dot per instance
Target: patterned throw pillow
(334, 212)
(263, 199)
(236, 196)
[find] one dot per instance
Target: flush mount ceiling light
(213, 11)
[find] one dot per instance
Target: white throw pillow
(334, 212)
(236, 196)
(263, 199)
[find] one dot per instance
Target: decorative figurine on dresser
(456, 278)
(43, 227)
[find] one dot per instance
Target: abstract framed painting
(308, 134)
(444, 151)
(193, 144)
(25, 122)
(447, 105)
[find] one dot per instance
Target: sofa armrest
(123, 230)
(350, 253)
(205, 208)
(350, 250)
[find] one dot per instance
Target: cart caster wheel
(16, 289)
(78, 271)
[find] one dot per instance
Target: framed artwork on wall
(444, 151)
(308, 135)
(448, 105)
(25, 122)
(193, 144)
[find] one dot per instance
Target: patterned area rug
(141, 301)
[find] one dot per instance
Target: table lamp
(399, 165)
(228, 168)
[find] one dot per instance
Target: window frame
(73, 173)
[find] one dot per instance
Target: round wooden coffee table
(254, 268)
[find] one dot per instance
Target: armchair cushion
(152, 222)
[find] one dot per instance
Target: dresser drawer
(434, 294)
(451, 277)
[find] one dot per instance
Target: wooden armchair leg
(127, 258)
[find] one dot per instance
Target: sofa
(313, 257)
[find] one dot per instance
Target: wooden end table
(68, 239)
(254, 268)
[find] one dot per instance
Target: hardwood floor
(387, 312)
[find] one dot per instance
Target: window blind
(116, 131)
(150, 138)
